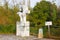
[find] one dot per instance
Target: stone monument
(22, 27)
(40, 34)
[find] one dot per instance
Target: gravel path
(13, 37)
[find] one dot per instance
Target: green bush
(34, 31)
(7, 29)
(55, 31)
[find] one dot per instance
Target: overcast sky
(33, 2)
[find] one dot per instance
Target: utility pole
(28, 3)
(24, 3)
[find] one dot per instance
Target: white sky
(33, 2)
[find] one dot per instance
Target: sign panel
(48, 23)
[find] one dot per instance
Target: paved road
(13, 37)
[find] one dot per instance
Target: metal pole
(49, 30)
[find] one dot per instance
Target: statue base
(22, 29)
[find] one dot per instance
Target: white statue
(23, 13)
(23, 25)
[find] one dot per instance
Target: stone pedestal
(40, 35)
(22, 29)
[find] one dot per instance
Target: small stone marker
(40, 35)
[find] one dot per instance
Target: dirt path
(13, 37)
